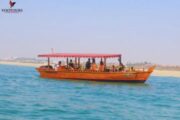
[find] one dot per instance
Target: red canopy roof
(79, 55)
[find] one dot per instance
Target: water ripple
(25, 96)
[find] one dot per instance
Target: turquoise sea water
(25, 96)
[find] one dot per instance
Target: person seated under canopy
(59, 65)
(121, 67)
(88, 64)
(101, 66)
(93, 65)
(71, 64)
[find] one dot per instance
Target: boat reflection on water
(102, 83)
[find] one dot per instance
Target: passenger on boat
(132, 69)
(101, 66)
(81, 67)
(93, 65)
(59, 65)
(121, 67)
(71, 64)
(113, 68)
(88, 64)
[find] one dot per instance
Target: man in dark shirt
(71, 64)
(88, 64)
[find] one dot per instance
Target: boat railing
(109, 68)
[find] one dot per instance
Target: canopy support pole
(67, 62)
(120, 61)
(48, 61)
(78, 62)
(105, 63)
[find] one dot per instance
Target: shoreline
(162, 73)
(166, 73)
(21, 64)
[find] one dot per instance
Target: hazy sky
(141, 30)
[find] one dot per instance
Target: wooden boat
(108, 75)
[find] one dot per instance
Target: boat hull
(133, 76)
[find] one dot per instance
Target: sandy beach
(20, 64)
(166, 73)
